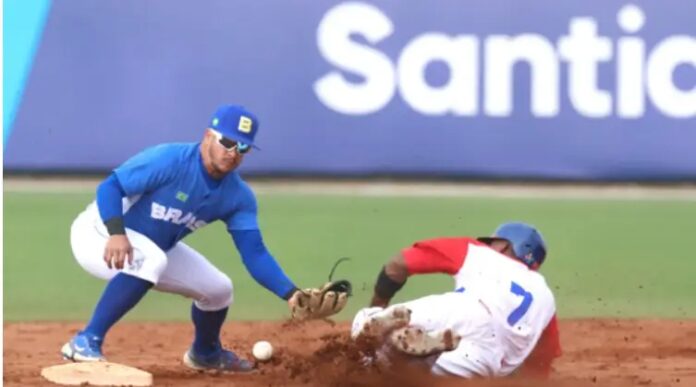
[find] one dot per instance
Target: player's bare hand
(118, 250)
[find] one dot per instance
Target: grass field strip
(370, 188)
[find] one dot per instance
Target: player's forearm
(266, 271)
(261, 264)
(390, 280)
(110, 204)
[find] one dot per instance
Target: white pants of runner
(180, 270)
(480, 351)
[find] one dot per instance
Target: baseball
(262, 351)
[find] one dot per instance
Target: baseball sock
(121, 294)
(208, 326)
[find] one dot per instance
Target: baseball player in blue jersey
(131, 236)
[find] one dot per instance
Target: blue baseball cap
(237, 123)
(527, 243)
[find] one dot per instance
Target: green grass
(607, 258)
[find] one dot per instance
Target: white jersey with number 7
(503, 309)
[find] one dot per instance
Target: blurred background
(382, 123)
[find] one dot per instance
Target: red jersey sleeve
(538, 364)
(442, 255)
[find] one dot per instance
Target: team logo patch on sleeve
(182, 197)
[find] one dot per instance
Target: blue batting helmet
(526, 240)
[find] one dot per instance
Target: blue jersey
(170, 195)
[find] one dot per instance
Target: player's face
(223, 157)
(504, 247)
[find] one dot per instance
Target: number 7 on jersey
(520, 311)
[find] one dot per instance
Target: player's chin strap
(342, 286)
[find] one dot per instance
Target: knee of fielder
(219, 294)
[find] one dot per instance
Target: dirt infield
(597, 353)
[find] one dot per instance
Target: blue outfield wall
(530, 89)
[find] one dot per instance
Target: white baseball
(262, 350)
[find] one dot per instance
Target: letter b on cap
(245, 124)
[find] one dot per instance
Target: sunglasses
(229, 144)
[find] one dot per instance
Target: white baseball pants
(180, 270)
(480, 351)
